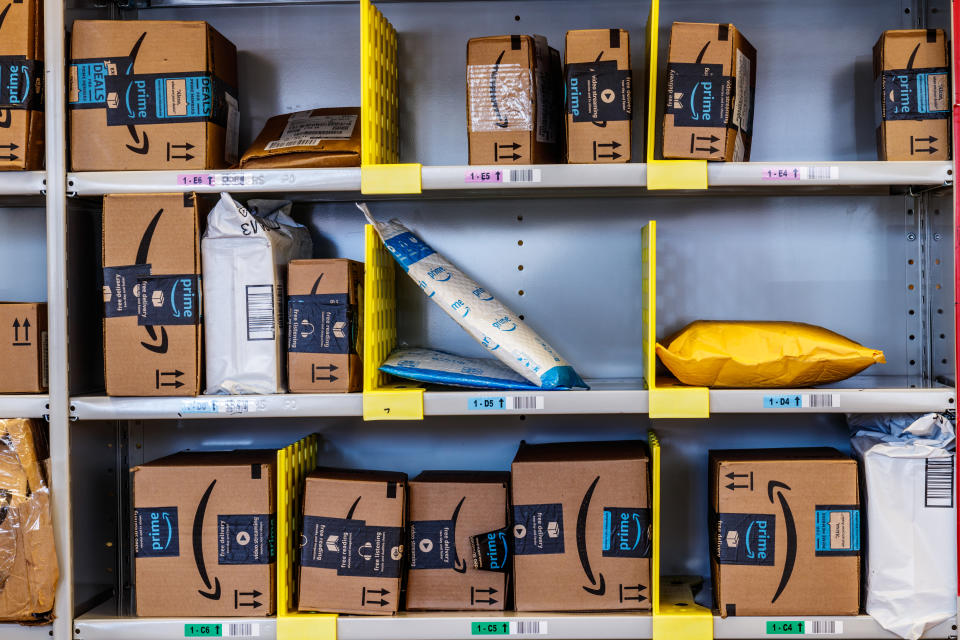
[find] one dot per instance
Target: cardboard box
(324, 334)
(582, 526)
(151, 94)
(307, 139)
(599, 94)
(204, 531)
(785, 532)
(447, 510)
(711, 81)
(152, 324)
(353, 541)
(21, 85)
(29, 572)
(23, 350)
(513, 100)
(913, 99)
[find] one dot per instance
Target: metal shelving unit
(25, 406)
(23, 183)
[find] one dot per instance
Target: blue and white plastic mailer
(488, 321)
(908, 469)
(439, 367)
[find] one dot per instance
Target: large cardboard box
(204, 532)
(785, 532)
(447, 510)
(599, 95)
(352, 550)
(913, 99)
(581, 526)
(151, 94)
(21, 85)
(711, 81)
(307, 139)
(324, 336)
(513, 100)
(152, 324)
(23, 349)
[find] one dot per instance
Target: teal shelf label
(785, 628)
(783, 402)
(498, 403)
(490, 628)
(203, 631)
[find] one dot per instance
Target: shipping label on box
(23, 347)
(21, 85)
(307, 139)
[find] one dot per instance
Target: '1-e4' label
(490, 628)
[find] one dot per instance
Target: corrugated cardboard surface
(598, 140)
(161, 233)
(719, 55)
(753, 492)
(197, 560)
(296, 148)
(28, 561)
(513, 100)
(21, 85)
(920, 58)
(351, 500)
(138, 48)
(333, 364)
(575, 485)
(23, 347)
(446, 509)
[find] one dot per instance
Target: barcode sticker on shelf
(802, 401)
(229, 406)
(538, 627)
(526, 403)
(260, 320)
(511, 628)
(217, 630)
(938, 483)
(522, 175)
(494, 175)
(505, 403)
(823, 627)
(800, 173)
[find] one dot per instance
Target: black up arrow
(487, 600)
(26, 333)
(711, 139)
(733, 476)
(930, 148)
(10, 146)
(497, 147)
(176, 384)
(9, 157)
(380, 592)
(253, 595)
(612, 155)
(733, 486)
(314, 368)
(186, 146)
(637, 589)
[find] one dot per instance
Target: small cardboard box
(307, 139)
(785, 532)
(351, 559)
(151, 94)
(204, 532)
(513, 100)
(447, 509)
(324, 336)
(21, 85)
(711, 81)
(152, 324)
(913, 99)
(23, 351)
(599, 95)
(582, 526)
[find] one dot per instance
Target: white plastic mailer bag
(487, 320)
(244, 253)
(908, 466)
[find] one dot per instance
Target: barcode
(260, 312)
(823, 627)
(938, 485)
(528, 626)
(823, 173)
(241, 630)
(527, 402)
(44, 361)
(821, 400)
(522, 175)
(285, 143)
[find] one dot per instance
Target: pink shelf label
(196, 179)
(483, 175)
(800, 173)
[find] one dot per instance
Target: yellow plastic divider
(667, 399)
(654, 443)
(665, 174)
(382, 400)
(380, 109)
(293, 464)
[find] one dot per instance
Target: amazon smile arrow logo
(788, 521)
(599, 586)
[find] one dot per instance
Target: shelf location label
(229, 406)
(511, 628)
(804, 627)
(505, 403)
(496, 175)
(218, 630)
(797, 173)
(802, 401)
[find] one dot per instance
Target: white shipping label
(741, 101)
(311, 130)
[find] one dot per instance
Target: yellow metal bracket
(390, 179)
(666, 398)
(665, 174)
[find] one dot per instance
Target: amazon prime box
(785, 532)
(204, 533)
(21, 85)
(581, 526)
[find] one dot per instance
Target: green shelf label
(790, 627)
(203, 631)
(490, 628)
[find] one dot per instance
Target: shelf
(531, 178)
(13, 631)
(457, 626)
(24, 406)
(862, 394)
(22, 183)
